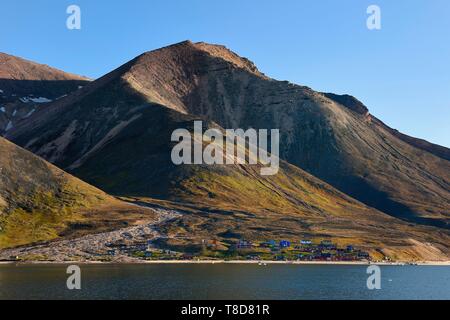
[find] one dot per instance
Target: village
(142, 243)
(131, 247)
(304, 250)
(270, 250)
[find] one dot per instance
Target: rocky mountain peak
(187, 49)
(226, 54)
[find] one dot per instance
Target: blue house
(285, 244)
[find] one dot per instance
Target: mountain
(39, 202)
(25, 86)
(115, 134)
(331, 137)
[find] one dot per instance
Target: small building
(111, 252)
(243, 244)
(305, 242)
(363, 255)
(285, 244)
(349, 248)
(268, 244)
(127, 235)
(327, 244)
(325, 256)
(141, 247)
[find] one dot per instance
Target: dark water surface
(223, 281)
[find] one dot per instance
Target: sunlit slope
(39, 201)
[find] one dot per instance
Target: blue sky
(401, 72)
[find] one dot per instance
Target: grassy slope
(343, 147)
(38, 201)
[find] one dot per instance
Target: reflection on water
(219, 281)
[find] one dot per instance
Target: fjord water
(223, 281)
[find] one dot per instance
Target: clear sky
(401, 72)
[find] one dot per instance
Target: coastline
(252, 262)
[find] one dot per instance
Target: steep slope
(38, 201)
(26, 85)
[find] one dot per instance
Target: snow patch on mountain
(9, 126)
(35, 100)
(63, 96)
(40, 100)
(30, 113)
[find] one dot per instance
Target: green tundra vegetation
(39, 202)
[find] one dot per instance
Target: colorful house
(285, 244)
(243, 244)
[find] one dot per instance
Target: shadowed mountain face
(25, 86)
(115, 134)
